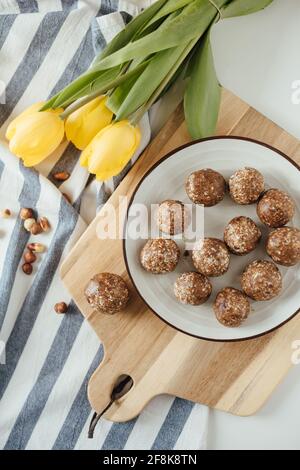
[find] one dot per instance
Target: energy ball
(207, 187)
(276, 208)
(262, 280)
(242, 235)
(231, 307)
(192, 288)
(107, 293)
(246, 185)
(212, 258)
(283, 246)
(172, 218)
(160, 256)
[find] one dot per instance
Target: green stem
(117, 81)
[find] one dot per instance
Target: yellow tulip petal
(36, 136)
(84, 123)
(85, 155)
(106, 175)
(11, 129)
(111, 149)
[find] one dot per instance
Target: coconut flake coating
(242, 235)
(262, 280)
(246, 185)
(107, 293)
(192, 288)
(231, 307)
(283, 246)
(172, 218)
(207, 187)
(160, 256)
(212, 258)
(276, 208)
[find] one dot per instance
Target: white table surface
(258, 58)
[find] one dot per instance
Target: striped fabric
(49, 358)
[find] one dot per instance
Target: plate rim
(150, 170)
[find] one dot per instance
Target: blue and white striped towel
(49, 358)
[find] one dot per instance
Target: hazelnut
(26, 213)
(62, 176)
(36, 228)
(28, 223)
(45, 224)
(27, 268)
(37, 247)
(61, 307)
(5, 214)
(29, 257)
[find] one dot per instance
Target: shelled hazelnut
(28, 223)
(45, 224)
(36, 228)
(36, 247)
(61, 307)
(29, 257)
(5, 214)
(61, 176)
(26, 213)
(27, 268)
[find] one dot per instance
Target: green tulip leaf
(85, 81)
(244, 7)
(203, 93)
(169, 7)
(100, 86)
(192, 22)
(144, 87)
(180, 73)
(131, 30)
(120, 40)
(119, 95)
(76, 86)
(145, 58)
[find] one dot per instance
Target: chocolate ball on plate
(207, 187)
(283, 246)
(242, 235)
(160, 256)
(261, 280)
(246, 185)
(192, 288)
(212, 258)
(276, 208)
(107, 293)
(231, 307)
(172, 217)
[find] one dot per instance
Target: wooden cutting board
(233, 377)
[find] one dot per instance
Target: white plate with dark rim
(165, 180)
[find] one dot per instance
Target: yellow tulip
(10, 131)
(111, 149)
(84, 123)
(34, 135)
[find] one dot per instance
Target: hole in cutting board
(123, 384)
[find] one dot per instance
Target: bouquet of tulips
(99, 111)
